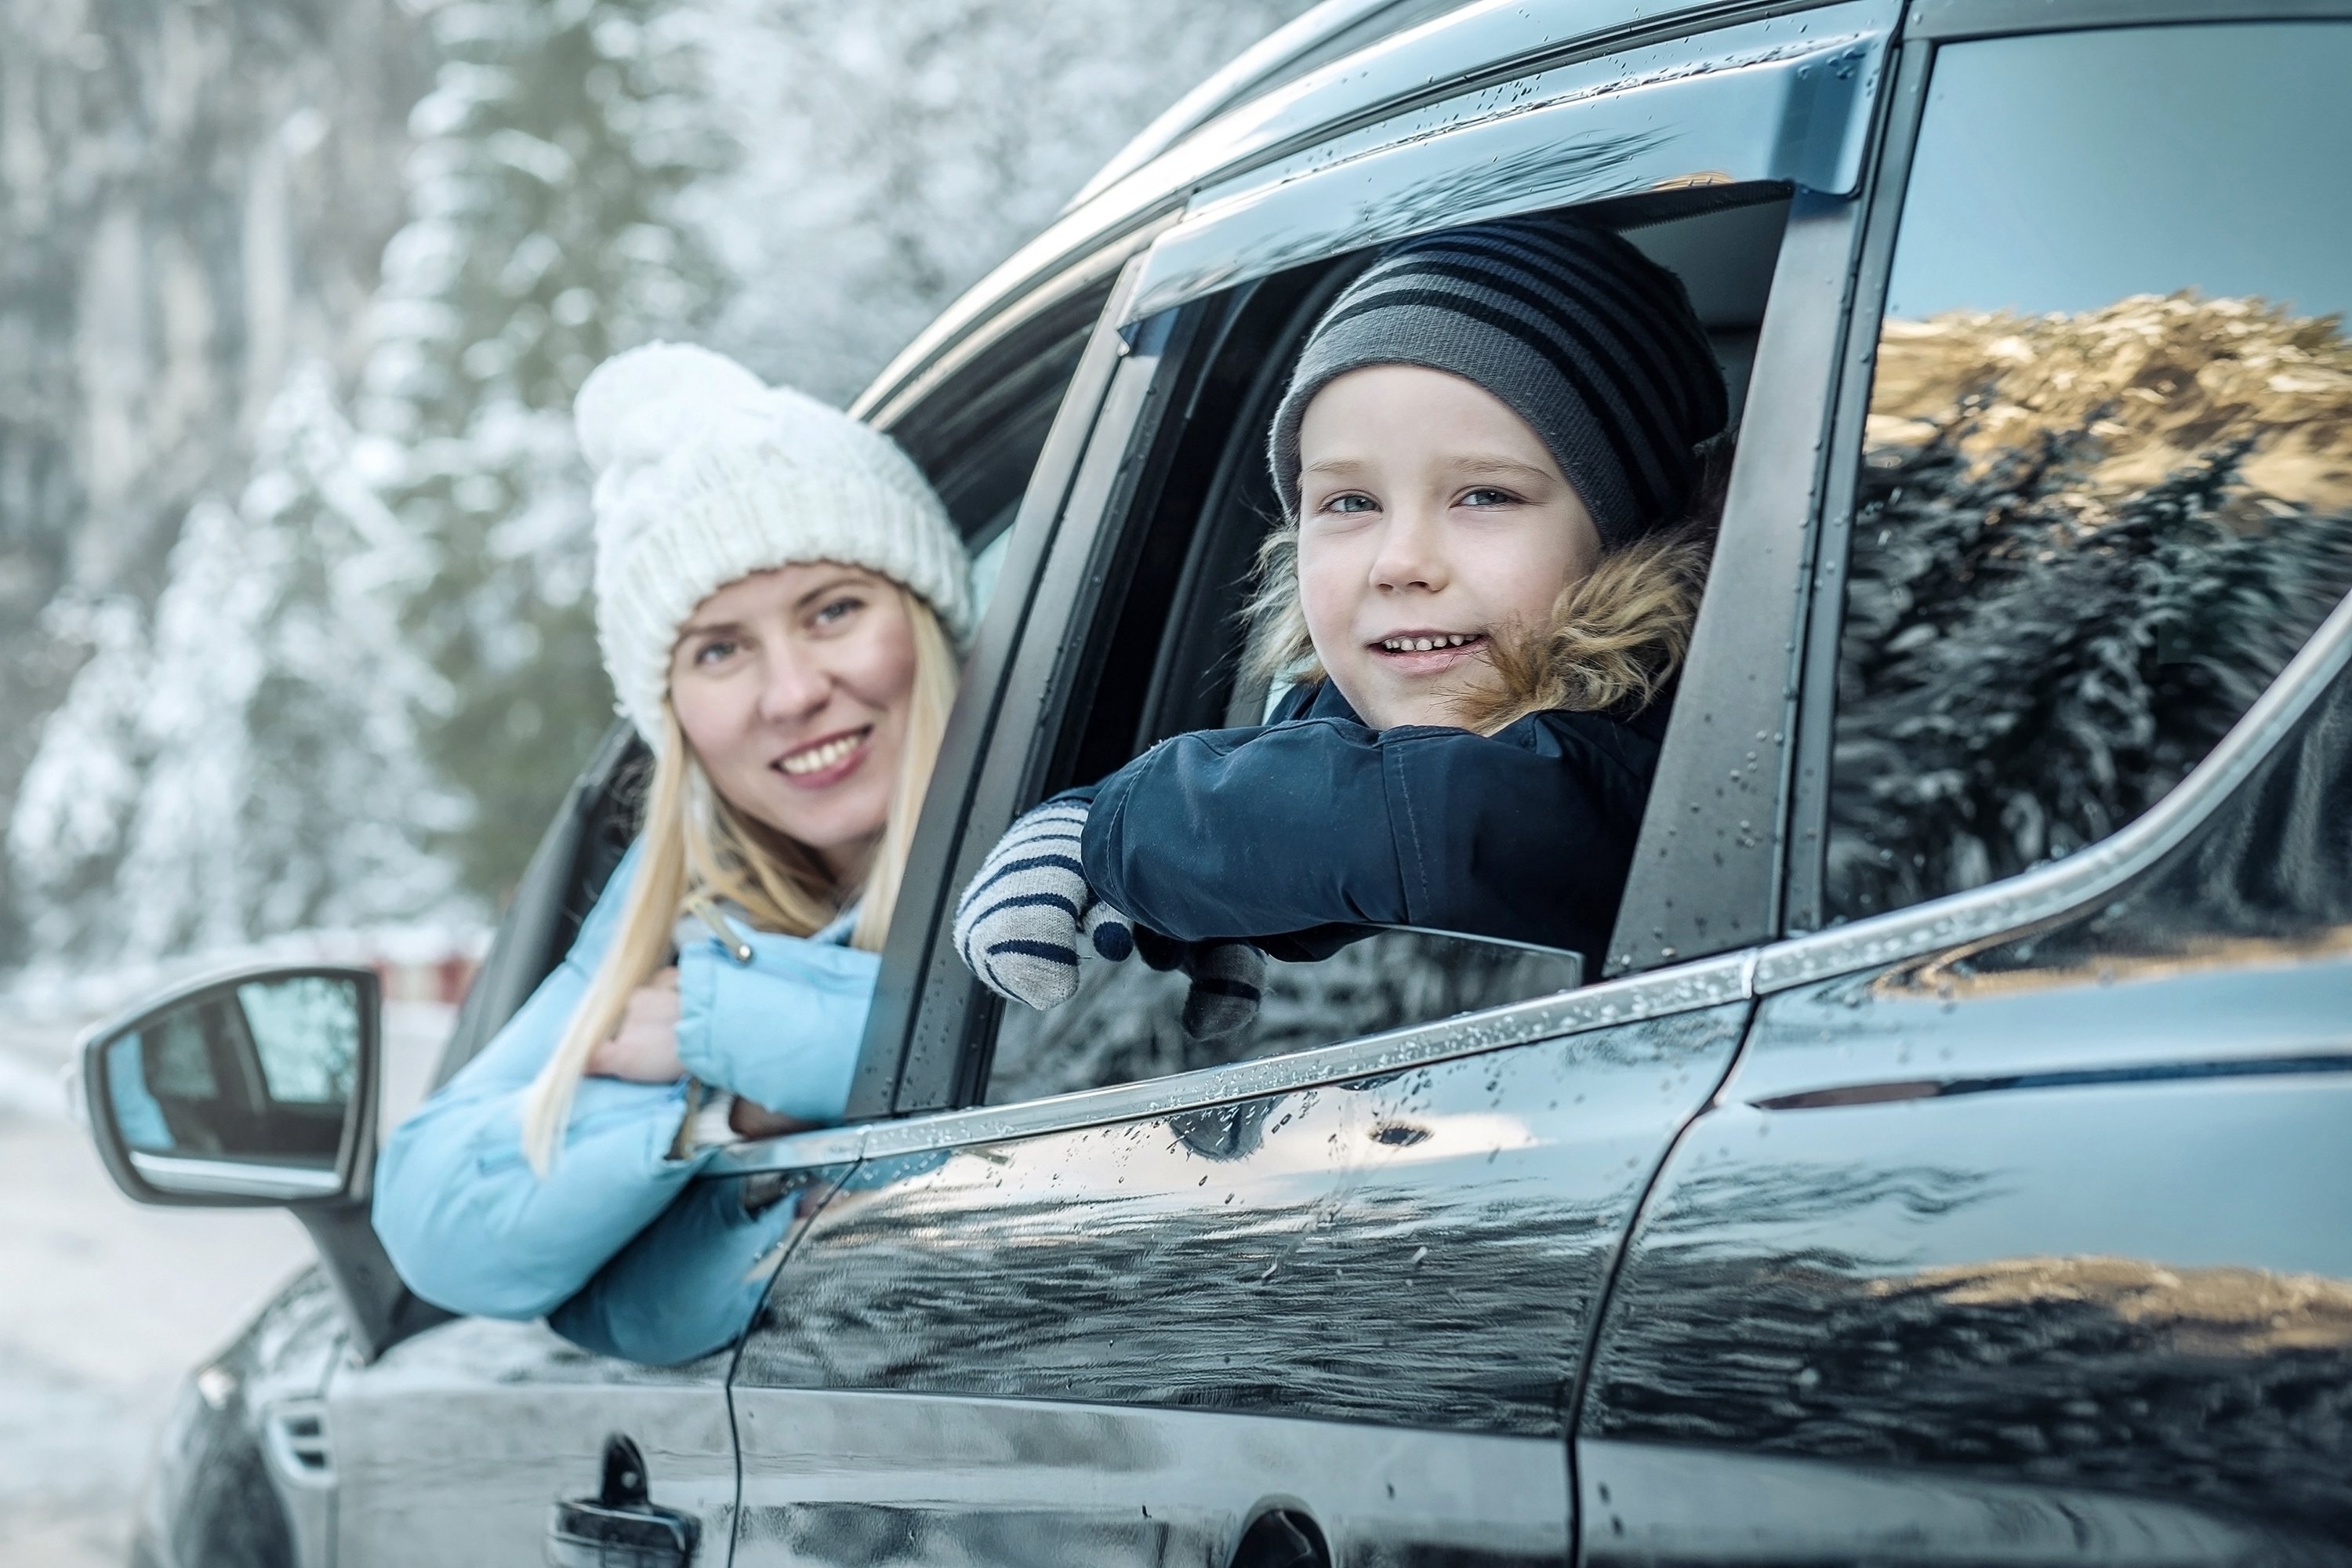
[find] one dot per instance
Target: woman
(778, 592)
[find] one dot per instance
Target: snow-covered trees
(542, 238)
(891, 154)
(245, 759)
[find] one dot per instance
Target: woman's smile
(824, 763)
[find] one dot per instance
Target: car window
(2105, 490)
(1173, 659)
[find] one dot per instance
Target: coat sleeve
(1266, 835)
(781, 1031)
(467, 1223)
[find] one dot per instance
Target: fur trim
(1617, 636)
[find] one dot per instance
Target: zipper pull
(737, 948)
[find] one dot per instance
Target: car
(1948, 1161)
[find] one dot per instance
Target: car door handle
(620, 1527)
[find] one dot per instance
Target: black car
(1952, 1160)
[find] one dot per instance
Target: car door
(2019, 1234)
(1329, 1302)
(453, 1445)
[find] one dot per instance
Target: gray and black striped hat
(1589, 341)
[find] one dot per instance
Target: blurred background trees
(294, 299)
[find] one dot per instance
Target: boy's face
(1431, 520)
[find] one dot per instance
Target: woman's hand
(644, 1050)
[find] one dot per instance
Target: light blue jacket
(473, 1229)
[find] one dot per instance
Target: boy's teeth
(818, 759)
(1424, 645)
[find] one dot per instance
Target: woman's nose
(1412, 555)
(795, 686)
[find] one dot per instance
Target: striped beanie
(1586, 339)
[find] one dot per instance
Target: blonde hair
(694, 847)
(1616, 636)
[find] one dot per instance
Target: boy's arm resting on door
(1265, 834)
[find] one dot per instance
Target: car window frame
(916, 1055)
(946, 1065)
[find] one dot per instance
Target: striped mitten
(1016, 926)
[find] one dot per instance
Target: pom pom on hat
(705, 475)
(648, 391)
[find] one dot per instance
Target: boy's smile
(1424, 652)
(1432, 521)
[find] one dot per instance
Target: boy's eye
(1351, 503)
(1486, 495)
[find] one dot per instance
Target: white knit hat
(705, 475)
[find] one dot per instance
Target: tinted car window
(2106, 489)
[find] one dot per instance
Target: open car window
(1171, 656)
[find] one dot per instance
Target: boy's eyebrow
(1337, 465)
(1499, 465)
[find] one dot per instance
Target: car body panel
(2060, 1225)
(1419, 1249)
(454, 1444)
(853, 1480)
(233, 1482)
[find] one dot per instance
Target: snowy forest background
(294, 297)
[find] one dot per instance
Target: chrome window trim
(1708, 984)
(1785, 100)
(2090, 874)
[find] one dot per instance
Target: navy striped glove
(1017, 925)
(1228, 977)
(1022, 920)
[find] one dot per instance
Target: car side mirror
(258, 1088)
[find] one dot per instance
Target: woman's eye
(840, 610)
(715, 651)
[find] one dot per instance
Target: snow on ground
(105, 1306)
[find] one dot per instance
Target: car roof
(1343, 64)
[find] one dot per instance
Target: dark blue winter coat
(1298, 835)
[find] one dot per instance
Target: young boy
(1483, 455)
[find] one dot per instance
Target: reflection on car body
(1946, 1165)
